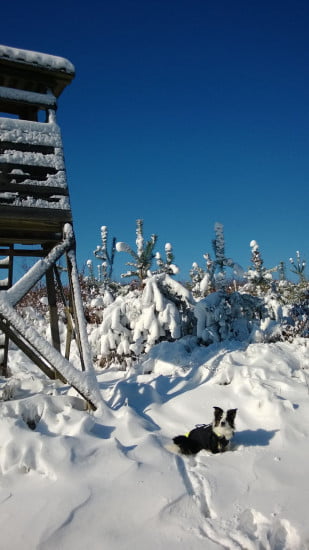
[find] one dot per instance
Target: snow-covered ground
(72, 479)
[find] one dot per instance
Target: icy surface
(114, 483)
(39, 59)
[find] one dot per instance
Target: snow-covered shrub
(296, 322)
(221, 316)
(288, 310)
(133, 323)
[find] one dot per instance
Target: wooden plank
(13, 216)
(53, 311)
(75, 316)
(33, 190)
(38, 270)
(34, 171)
(30, 147)
(5, 348)
(31, 239)
(16, 96)
(40, 349)
(28, 350)
(31, 252)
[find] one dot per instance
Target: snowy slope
(70, 479)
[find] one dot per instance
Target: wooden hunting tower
(35, 210)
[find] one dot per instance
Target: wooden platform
(35, 210)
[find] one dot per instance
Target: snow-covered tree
(221, 261)
(203, 280)
(259, 278)
(167, 265)
(107, 258)
(298, 267)
(281, 271)
(213, 277)
(142, 257)
(90, 277)
(222, 316)
(133, 323)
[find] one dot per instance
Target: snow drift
(70, 479)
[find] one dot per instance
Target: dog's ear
(218, 414)
(230, 415)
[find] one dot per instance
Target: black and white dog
(213, 437)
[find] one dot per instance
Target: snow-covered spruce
(222, 316)
(133, 323)
(214, 276)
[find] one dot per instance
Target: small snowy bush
(222, 316)
(133, 323)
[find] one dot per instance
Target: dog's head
(224, 422)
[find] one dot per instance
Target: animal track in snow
(247, 530)
(195, 482)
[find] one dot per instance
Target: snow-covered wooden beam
(37, 59)
(29, 132)
(38, 270)
(39, 350)
(33, 98)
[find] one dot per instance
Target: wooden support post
(68, 314)
(27, 350)
(74, 311)
(53, 311)
(5, 337)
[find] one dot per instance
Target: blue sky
(182, 113)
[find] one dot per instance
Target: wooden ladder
(6, 280)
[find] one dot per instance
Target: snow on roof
(41, 60)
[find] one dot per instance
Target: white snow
(54, 160)
(48, 100)
(38, 59)
(70, 479)
(34, 133)
(29, 132)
